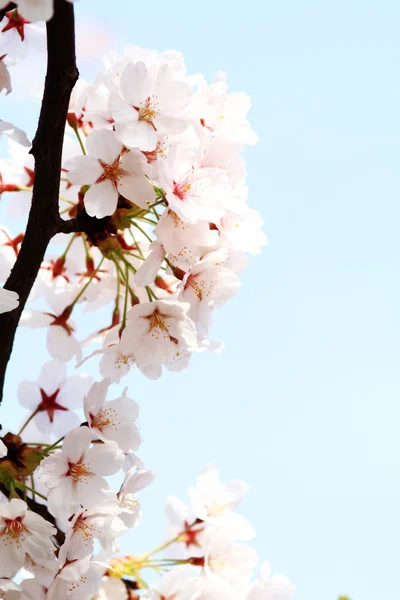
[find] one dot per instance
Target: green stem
(142, 230)
(83, 290)
(79, 140)
(53, 446)
(71, 241)
(35, 412)
(123, 325)
(164, 545)
(24, 487)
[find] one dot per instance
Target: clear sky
(304, 402)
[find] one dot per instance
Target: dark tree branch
(3, 11)
(44, 217)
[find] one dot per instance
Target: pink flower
(113, 420)
(74, 476)
(22, 533)
(110, 173)
(53, 396)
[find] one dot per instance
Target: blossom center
(14, 528)
(104, 419)
(86, 529)
(157, 321)
(149, 111)
(198, 286)
(112, 172)
(78, 471)
(182, 188)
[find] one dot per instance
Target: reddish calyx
(58, 269)
(62, 320)
(49, 404)
(31, 175)
(190, 535)
(15, 21)
(7, 187)
(14, 243)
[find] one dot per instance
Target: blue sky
(304, 402)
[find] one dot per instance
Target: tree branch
(44, 217)
(3, 11)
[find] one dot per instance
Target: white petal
(137, 189)
(73, 390)
(104, 144)
(139, 135)
(51, 376)
(29, 394)
(83, 170)
(101, 199)
(76, 443)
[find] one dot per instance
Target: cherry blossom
(136, 479)
(22, 533)
(76, 579)
(207, 285)
(61, 342)
(53, 397)
(99, 522)
(74, 475)
(212, 499)
(270, 587)
(109, 172)
(155, 332)
(174, 584)
(113, 420)
(152, 101)
(232, 561)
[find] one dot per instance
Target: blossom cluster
(156, 230)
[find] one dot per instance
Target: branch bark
(3, 11)
(44, 219)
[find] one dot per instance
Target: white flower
(75, 475)
(53, 396)
(110, 173)
(136, 479)
(186, 242)
(270, 587)
(242, 231)
(77, 579)
(112, 589)
(196, 194)
(157, 331)
(99, 522)
(232, 562)
(152, 102)
(113, 420)
(207, 285)
(212, 499)
(181, 518)
(8, 300)
(22, 533)
(61, 342)
(173, 584)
